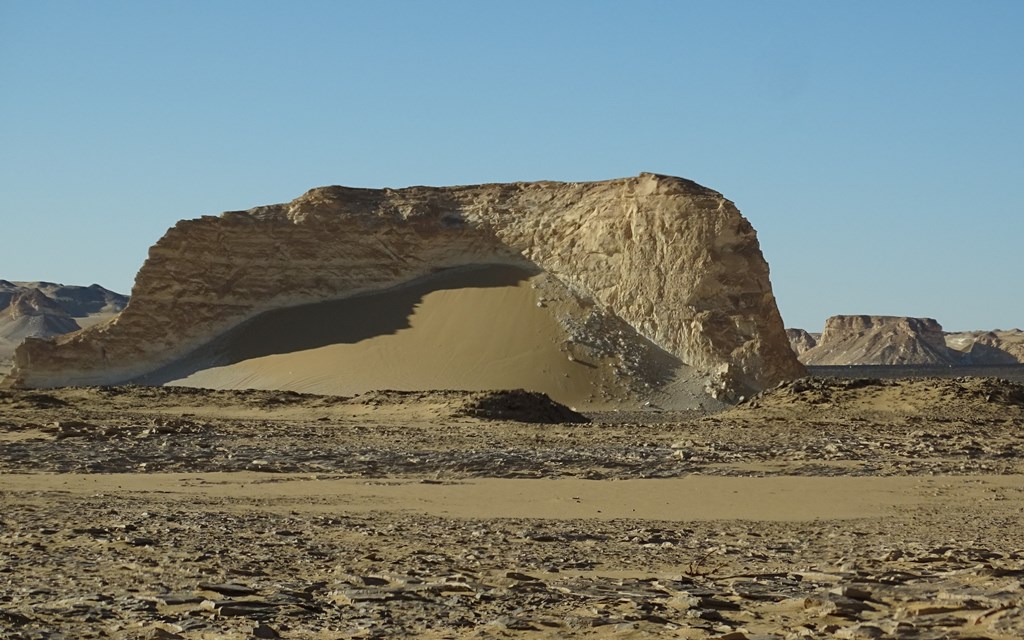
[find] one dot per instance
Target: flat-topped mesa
(673, 260)
(880, 340)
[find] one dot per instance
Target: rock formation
(76, 301)
(46, 309)
(637, 265)
(32, 313)
(800, 341)
(995, 347)
(880, 340)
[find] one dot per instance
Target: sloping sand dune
(478, 328)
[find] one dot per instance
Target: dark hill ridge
(77, 301)
(31, 313)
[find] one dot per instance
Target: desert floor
(824, 508)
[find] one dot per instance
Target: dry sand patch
(694, 498)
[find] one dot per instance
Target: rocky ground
(824, 508)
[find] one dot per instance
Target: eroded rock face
(880, 340)
(666, 257)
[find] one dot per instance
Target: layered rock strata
(663, 256)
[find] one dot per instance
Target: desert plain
(821, 508)
(306, 423)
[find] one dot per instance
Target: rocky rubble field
(823, 508)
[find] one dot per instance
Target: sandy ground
(848, 509)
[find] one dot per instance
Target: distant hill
(76, 301)
(899, 340)
(801, 341)
(46, 309)
(988, 347)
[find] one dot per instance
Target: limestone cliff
(880, 340)
(671, 259)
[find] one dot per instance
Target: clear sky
(876, 146)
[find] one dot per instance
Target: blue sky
(877, 147)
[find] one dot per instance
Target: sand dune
(477, 328)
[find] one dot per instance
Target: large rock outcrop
(880, 340)
(662, 257)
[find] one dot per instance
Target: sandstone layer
(635, 269)
(880, 340)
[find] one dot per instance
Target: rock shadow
(345, 321)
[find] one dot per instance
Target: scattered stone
(193, 567)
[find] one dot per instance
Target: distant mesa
(898, 340)
(47, 309)
(647, 289)
(879, 340)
